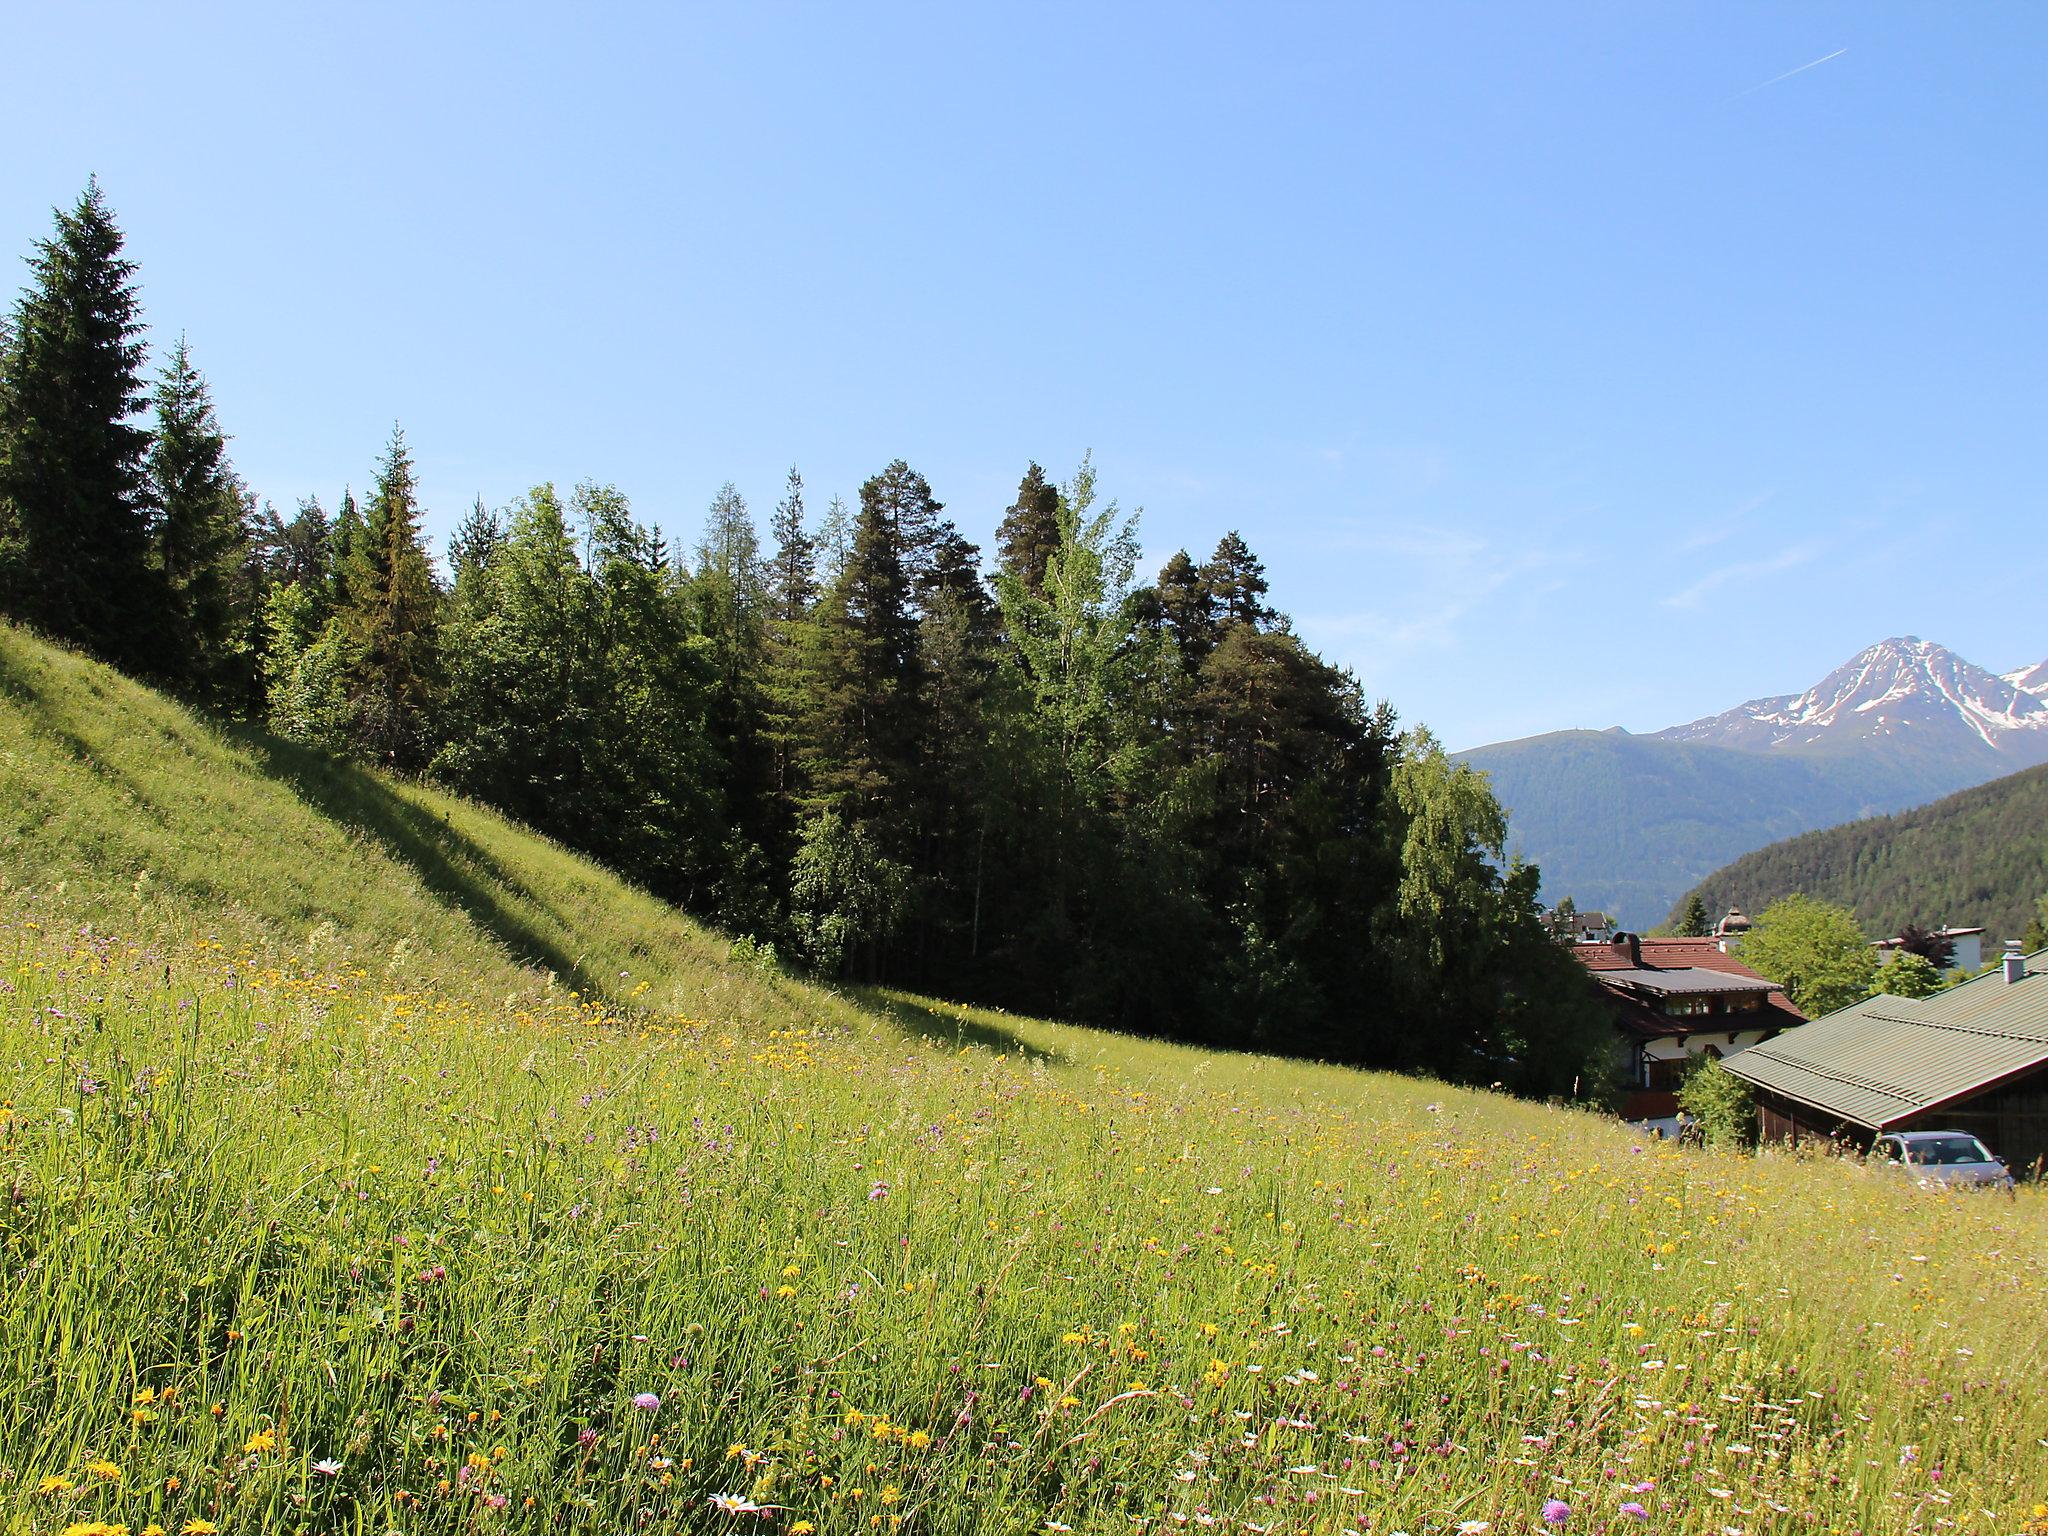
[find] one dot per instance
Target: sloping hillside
(327, 1210)
(1977, 859)
(121, 808)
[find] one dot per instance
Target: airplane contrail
(1802, 69)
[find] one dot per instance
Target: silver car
(1942, 1160)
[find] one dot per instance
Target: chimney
(1629, 942)
(2015, 962)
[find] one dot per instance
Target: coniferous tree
(1235, 581)
(201, 541)
(863, 725)
(350, 536)
(1187, 609)
(74, 529)
(792, 594)
(732, 591)
(793, 567)
(390, 619)
(834, 542)
(1692, 923)
(1030, 530)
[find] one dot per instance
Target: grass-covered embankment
(328, 1208)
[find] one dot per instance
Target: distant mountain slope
(1627, 823)
(1979, 858)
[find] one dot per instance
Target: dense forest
(1975, 859)
(1050, 785)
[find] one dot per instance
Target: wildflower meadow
(373, 1166)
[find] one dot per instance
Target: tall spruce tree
(348, 539)
(74, 526)
(199, 532)
(792, 594)
(390, 619)
(862, 728)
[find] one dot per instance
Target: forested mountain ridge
(1627, 823)
(1055, 787)
(1623, 823)
(1975, 859)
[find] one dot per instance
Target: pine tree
(1236, 583)
(74, 530)
(1030, 531)
(390, 619)
(1188, 609)
(200, 535)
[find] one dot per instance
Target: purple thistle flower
(647, 1400)
(1635, 1511)
(1556, 1512)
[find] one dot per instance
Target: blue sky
(1562, 369)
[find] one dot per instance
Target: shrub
(1721, 1102)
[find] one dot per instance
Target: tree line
(1038, 781)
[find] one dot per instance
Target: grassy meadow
(373, 1165)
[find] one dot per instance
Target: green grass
(310, 1163)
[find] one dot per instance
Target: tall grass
(328, 1208)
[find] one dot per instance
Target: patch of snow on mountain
(1913, 682)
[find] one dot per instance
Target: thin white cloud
(1802, 69)
(1443, 577)
(1744, 570)
(1727, 527)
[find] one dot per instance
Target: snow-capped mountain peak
(2032, 679)
(1905, 688)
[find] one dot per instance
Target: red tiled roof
(1682, 954)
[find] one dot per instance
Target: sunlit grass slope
(326, 1210)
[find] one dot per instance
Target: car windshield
(1947, 1149)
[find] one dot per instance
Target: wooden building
(1674, 1001)
(1972, 1058)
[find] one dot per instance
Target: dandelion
(55, 1484)
(104, 1469)
(198, 1528)
(647, 1402)
(263, 1440)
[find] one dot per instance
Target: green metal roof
(1888, 1058)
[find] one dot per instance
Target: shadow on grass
(941, 1024)
(452, 866)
